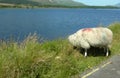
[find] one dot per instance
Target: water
(52, 23)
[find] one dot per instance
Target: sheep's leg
(85, 55)
(107, 53)
(104, 49)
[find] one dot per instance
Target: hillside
(118, 5)
(46, 3)
(43, 2)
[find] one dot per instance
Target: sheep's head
(72, 39)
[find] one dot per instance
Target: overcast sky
(99, 2)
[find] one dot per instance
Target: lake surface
(52, 23)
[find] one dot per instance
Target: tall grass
(50, 59)
(115, 27)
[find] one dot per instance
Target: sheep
(95, 37)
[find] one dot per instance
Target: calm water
(52, 23)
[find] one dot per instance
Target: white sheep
(95, 37)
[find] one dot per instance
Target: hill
(118, 5)
(44, 2)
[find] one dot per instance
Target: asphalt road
(111, 69)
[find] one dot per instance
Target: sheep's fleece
(96, 37)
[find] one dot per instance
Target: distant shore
(7, 5)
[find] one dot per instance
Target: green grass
(51, 59)
(115, 27)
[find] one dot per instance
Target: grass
(115, 27)
(51, 59)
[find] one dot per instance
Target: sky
(99, 2)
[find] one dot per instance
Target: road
(110, 69)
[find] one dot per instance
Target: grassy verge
(116, 38)
(51, 59)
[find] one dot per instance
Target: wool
(96, 37)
